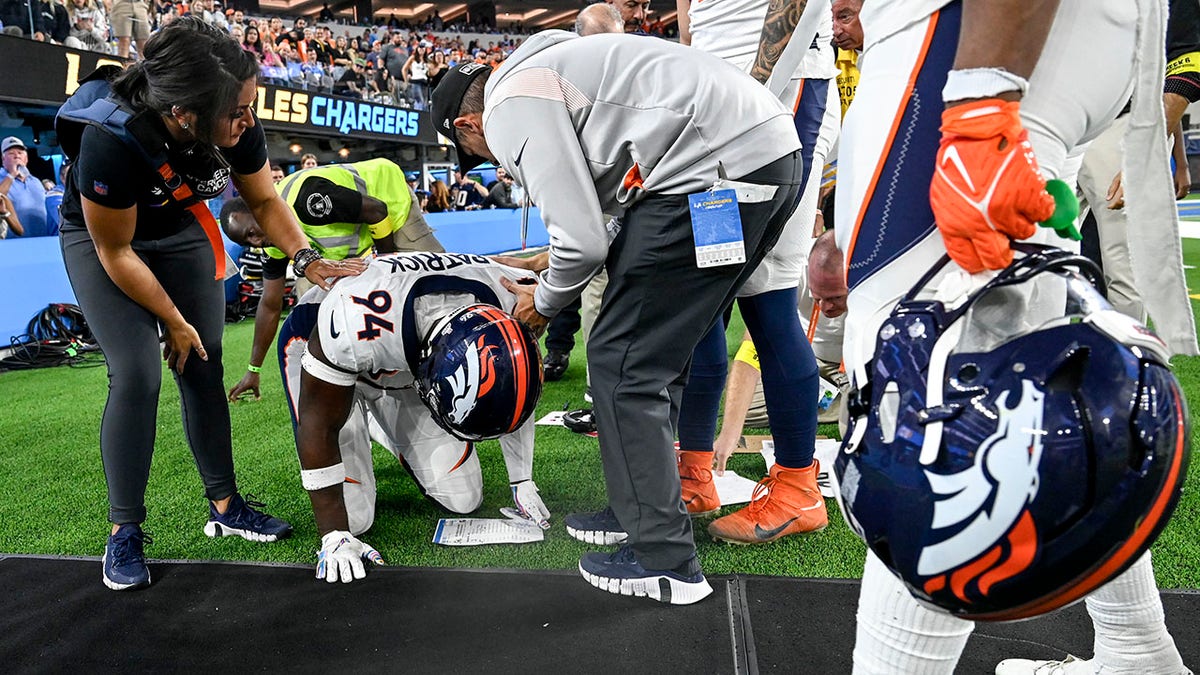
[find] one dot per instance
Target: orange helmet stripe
(520, 359)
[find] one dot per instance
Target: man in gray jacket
(652, 132)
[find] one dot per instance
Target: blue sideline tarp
(32, 276)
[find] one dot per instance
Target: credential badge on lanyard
(717, 227)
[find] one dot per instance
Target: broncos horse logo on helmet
(988, 501)
(480, 373)
(473, 379)
(1006, 466)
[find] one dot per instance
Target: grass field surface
(54, 494)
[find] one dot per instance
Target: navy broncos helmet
(480, 373)
(1003, 466)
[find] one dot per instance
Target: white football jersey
(373, 324)
(883, 18)
(731, 30)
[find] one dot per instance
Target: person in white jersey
(989, 72)
(420, 355)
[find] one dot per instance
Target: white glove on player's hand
(529, 505)
(341, 557)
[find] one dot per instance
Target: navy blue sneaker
(124, 563)
(620, 573)
(599, 527)
(242, 519)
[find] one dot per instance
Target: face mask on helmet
(1016, 450)
(480, 373)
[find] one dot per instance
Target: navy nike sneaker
(620, 573)
(243, 519)
(598, 527)
(124, 560)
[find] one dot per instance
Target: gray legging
(129, 336)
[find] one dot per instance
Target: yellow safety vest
(379, 178)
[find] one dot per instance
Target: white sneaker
(1068, 666)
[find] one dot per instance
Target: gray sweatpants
(129, 336)
(656, 308)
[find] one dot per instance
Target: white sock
(897, 635)
(1131, 633)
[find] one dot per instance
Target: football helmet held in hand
(1013, 452)
(480, 373)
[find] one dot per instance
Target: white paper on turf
(732, 488)
(554, 419)
(479, 531)
(826, 453)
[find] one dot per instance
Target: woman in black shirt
(144, 257)
(437, 68)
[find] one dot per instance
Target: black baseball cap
(320, 201)
(447, 99)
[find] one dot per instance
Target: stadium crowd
(392, 61)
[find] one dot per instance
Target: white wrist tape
(317, 479)
(981, 83)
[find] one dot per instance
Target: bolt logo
(985, 506)
(472, 380)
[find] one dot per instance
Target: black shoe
(555, 365)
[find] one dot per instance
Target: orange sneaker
(696, 480)
(787, 501)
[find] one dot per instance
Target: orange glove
(986, 188)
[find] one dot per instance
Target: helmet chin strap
(935, 391)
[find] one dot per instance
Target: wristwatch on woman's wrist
(303, 258)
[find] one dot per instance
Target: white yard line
(1189, 229)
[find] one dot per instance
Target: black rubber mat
(56, 615)
(807, 626)
(213, 617)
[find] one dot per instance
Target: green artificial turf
(54, 495)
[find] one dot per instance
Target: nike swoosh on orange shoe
(764, 535)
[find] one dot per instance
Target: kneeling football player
(420, 354)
